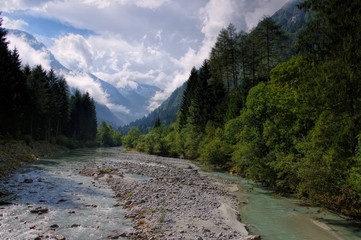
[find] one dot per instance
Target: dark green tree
(187, 97)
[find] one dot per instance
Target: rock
(28, 180)
(59, 237)
(4, 202)
(61, 200)
(253, 237)
(114, 236)
(39, 210)
(54, 226)
(75, 225)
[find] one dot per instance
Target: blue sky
(123, 42)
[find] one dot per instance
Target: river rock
(39, 210)
(28, 180)
(114, 236)
(253, 237)
(60, 237)
(54, 226)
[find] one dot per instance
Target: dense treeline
(292, 123)
(36, 104)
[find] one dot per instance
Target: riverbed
(109, 194)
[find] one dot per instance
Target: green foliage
(215, 150)
(130, 140)
(107, 136)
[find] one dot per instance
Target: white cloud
(152, 4)
(85, 83)
(29, 55)
(13, 5)
(74, 52)
(118, 108)
(14, 24)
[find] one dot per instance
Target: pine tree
(187, 98)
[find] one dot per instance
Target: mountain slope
(167, 113)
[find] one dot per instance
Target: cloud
(85, 83)
(28, 54)
(152, 4)
(14, 24)
(74, 52)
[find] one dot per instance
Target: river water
(80, 208)
(279, 218)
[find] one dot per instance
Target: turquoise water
(279, 218)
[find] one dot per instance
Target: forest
(37, 105)
(283, 112)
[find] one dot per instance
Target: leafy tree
(104, 135)
(130, 140)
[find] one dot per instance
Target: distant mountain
(292, 19)
(36, 45)
(167, 113)
(123, 104)
(104, 114)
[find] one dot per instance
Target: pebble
(169, 194)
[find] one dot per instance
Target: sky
(126, 42)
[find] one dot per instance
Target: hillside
(167, 113)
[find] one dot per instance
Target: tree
(130, 140)
(225, 56)
(83, 123)
(187, 97)
(271, 41)
(13, 97)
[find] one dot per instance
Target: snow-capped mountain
(116, 106)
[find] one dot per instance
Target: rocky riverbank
(168, 198)
(14, 154)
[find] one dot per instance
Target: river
(279, 218)
(79, 208)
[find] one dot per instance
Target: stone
(39, 210)
(114, 236)
(60, 237)
(253, 237)
(54, 226)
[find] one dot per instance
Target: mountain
(166, 112)
(292, 19)
(116, 106)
